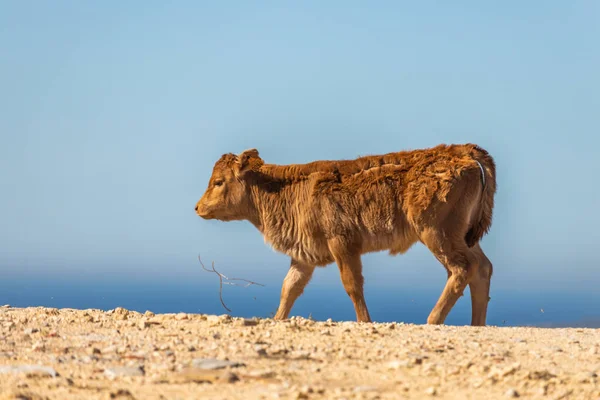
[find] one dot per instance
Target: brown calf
(335, 211)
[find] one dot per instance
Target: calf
(335, 211)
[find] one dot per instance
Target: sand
(49, 353)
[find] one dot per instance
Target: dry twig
(221, 282)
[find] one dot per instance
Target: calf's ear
(248, 160)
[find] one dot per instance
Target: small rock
(149, 314)
(29, 370)
(540, 375)
(198, 375)
(249, 322)
(38, 346)
(225, 318)
(510, 370)
(181, 316)
(5, 306)
(109, 349)
(301, 355)
(261, 351)
(117, 372)
(266, 374)
(89, 359)
(306, 389)
(94, 350)
(30, 331)
(210, 363)
(120, 313)
(9, 325)
(587, 377)
(121, 394)
(478, 383)
(361, 389)
(396, 364)
(416, 358)
(511, 393)
(143, 324)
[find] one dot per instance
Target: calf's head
(227, 197)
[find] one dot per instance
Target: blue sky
(112, 115)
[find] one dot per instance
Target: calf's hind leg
(294, 283)
(461, 264)
(480, 287)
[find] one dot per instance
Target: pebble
(38, 346)
(29, 370)
(120, 313)
(587, 377)
(117, 372)
(211, 363)
(361, 389)
(260, 350)
(181, 316)
(225, 318)
(264, 374)
(121, 394)
(554, 349)
(94, 350)
(249, 322)
(143, 324)
(9, 325)
(109, 349)
(431, 391)
(396, 364)
(511, 393)
(198, 375)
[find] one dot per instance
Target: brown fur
(335, 211)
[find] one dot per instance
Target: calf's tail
(483, 217)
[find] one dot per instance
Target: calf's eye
(218, 183)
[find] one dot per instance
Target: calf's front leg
(294, 283)
(350, 265)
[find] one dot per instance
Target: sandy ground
(90, 354)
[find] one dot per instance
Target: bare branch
(221, 282)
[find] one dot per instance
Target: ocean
(320, 301)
